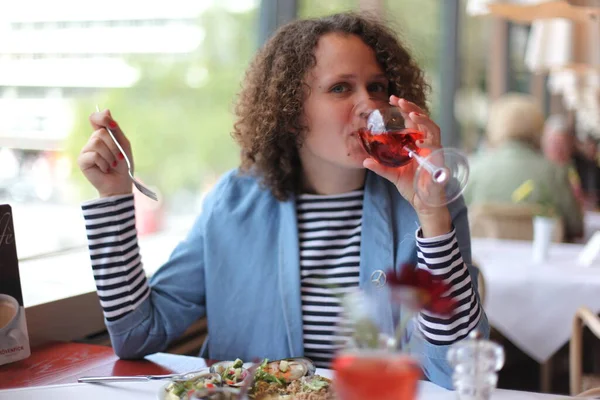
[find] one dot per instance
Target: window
(45, 133)
(421, 33)
(317, 8)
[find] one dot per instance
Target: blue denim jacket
(239, 267)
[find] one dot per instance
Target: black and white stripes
(329, 231)
(441, 256)
(114, 252)
(329, 244)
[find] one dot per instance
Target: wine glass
(370, 363)
(442, 174)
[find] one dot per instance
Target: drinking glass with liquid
(442, 174)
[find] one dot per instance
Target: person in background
(307, 217)
(557, 140)
(585, 160)
(514, 132)
(558, 146)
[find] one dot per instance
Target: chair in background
(595, 392)
(480, 282)
(579, 382)
(506, 221)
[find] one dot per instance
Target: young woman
(306, 217)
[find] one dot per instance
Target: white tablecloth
(149, 391)
(531, 304)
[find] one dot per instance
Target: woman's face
(345, 80)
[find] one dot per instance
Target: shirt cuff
(436, 240)
(106, 201)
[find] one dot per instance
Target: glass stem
(422, 161)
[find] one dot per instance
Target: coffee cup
(9, 312)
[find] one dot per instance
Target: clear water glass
(476, 362)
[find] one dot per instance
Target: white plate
(162, 392)
(325, 373)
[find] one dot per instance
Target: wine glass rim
(378, 354)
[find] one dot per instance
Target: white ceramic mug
(9, 313)
(14, 344)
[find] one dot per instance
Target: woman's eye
(340, 88)
(378, 87)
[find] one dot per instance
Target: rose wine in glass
(441, 176)
(375, 375)
(391, 148)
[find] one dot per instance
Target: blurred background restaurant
(169, 72)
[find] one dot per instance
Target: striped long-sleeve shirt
(329, 233)
(115, 255)
(441, 256)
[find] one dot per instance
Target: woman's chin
(355, 154)
(356, 159)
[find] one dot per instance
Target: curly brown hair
(269, 109)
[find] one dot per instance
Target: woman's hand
(100, 159)
(434, 220)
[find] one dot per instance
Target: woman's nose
(364, 107)
(367, 99)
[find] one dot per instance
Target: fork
(140, 186)
(134, 378)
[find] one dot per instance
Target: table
(61, 363)
(149, 390)
(533, 305)
(64, 362)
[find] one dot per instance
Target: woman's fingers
(103, 119)
(390, 173)
(395, 101)
(379, 169)
(92, 159)
(101, 143)
(103, 135)
(405, 105)
(416, 118)
(429, 128)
